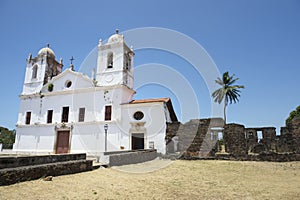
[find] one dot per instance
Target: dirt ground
(179, 180)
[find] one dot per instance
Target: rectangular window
(107, 113)
(49, 116)
(81, 114)
(65, 114)
(34, 71)
(28, 117)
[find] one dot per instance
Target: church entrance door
(62, 142)
(137, 141)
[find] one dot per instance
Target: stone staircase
(196, 138)
(16, 169)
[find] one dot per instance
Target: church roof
(116, 37)
(150, 100)
(47, 51)
(164, 100)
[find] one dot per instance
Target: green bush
(50, 87)
(7, 138)
(293, 114)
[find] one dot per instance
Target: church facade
(69, 112)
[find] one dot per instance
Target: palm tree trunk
(225, 104)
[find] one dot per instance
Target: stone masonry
(251, 138)
(294, 127)
(197, 137)
(234, 139)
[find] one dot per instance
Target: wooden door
(62, 144)
(137, 141)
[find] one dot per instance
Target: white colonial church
(69, 112)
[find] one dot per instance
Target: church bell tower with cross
(115, 62)
(40, 70)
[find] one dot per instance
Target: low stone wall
(18, 161)
(14, 175)
(132, 157)
(123, 151)
(265, 156)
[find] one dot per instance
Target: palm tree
(227, 92)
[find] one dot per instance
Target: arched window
(34, 71)
(127, 61)
(110, 60)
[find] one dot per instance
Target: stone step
(26, 173)
(18, 161)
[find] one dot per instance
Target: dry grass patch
(180, 180)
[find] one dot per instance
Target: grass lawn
(179, 180)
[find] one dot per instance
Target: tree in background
(293, 114)
(228, 92)
(7, 137)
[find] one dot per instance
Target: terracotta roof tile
(150, 100)
(164, 100)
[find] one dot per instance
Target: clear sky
(258, 41)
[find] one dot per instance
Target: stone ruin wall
(234, 139)
(199, 137)
(287, 142)
(241, 141)
(293, 127)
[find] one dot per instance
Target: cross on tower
(71, 59)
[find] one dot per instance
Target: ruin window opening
(251, 136)
(259, 136)
(220, 135)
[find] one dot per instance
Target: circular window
(138, 115)
(68, 83)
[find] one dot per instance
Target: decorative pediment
(63, 126)
(68, 80)
(137, 126)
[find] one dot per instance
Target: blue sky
(259, 41)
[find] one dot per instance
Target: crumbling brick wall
(172, 131)
(251, 138)
(287, 143)
(294, 127)
(234, 139)
(284, 131)
(195, 136)
(198, 137)
(269, 136)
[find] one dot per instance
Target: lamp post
(105, 130)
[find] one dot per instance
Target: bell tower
(115, 62)
(39, 70)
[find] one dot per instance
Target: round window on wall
(138, 115)
(68, 83)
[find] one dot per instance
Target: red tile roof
(164, 100)
(150, 100)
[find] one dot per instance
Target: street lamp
(105, 130)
